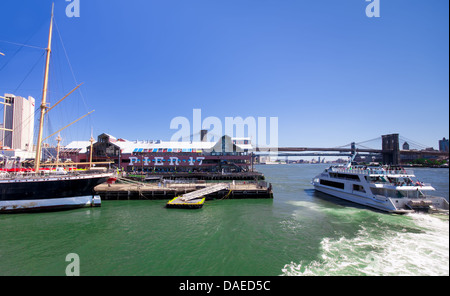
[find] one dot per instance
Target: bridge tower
(390, 149)
(353, 148)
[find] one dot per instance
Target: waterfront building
(224, 156)
(18, 122)
(443, 145)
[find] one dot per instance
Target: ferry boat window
(332, 184)
(359, 188)
(388, 192)
(377, 191)
(400, 194)
(345, 176)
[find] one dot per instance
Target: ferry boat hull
(382, 205)
(49, 193)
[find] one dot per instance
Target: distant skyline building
(405, 146)
(18, 122)
(443, 145)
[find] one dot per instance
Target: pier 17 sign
(171, 160)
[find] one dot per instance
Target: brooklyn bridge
(395, 150)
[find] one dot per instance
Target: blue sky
(328, 72)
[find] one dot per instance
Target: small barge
(178, 203)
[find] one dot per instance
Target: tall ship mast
(44, 96)
(41, 191)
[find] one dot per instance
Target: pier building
(227, 155)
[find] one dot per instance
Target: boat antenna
(44, 97)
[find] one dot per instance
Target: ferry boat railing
(400, 184)
(371, 171)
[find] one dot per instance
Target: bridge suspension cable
(377, 141)
(367, 141)
(412, 143)
(360, 143)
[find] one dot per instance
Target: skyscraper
(443, 145)
(18, 122)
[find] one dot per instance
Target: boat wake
(383, 251)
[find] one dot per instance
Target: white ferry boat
(393, 190)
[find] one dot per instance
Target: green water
(299, 232)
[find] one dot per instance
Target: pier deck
(152, 191)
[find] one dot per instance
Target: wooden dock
(155, 191)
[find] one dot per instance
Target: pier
(132, 190)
